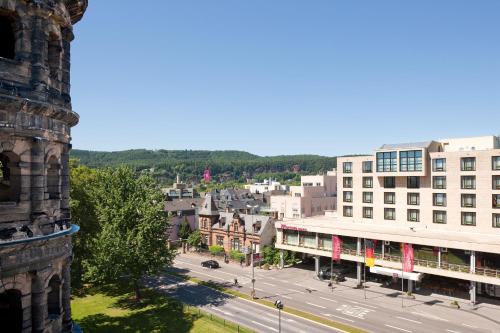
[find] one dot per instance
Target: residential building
(268, 185)
(314, 196)
(182, 210)
(232, 230)
(441, 196)
(237, 200)
(180, 190)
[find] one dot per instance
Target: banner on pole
(336, 247)
(369, 252)
(408, 258)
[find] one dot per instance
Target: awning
(396, 273)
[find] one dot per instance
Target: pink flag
(206, 175)
(337, 247)
(408, 257)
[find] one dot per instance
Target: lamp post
(279, 305)
(251, 253)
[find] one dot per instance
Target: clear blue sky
(284, 76)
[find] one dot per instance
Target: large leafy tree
(184, 229)
(132, 241)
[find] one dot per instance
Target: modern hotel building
(441, 196)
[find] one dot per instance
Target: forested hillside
(224, 165)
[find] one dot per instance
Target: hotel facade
(441, 196)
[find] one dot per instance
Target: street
(380, 312)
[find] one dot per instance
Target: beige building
(442, 196)
(314, 196)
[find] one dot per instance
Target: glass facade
(496, 201)
(468, 182)
(347, 196)
(348, 211)
(469, 200)
(389, 213)
(367, 182)
(389, 198)
(413, 215)
(496, 182)
(367, 197)
(410, 160)
(439, 199)
(496, 220)
(495, 163)
(347, 182)
(290, 237)
(387, 161)
(307, 239)
(439, 164)
(325, 242)
(368, 212)
(413, 198)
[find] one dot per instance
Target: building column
(316, 265)
(358, 247)
(67, 323)
(38, 305)
(472, 288)
(359, 269)
(410, 286)
(282, 259)
(439, 257)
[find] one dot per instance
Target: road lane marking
(354, 311)
(259, 289)
(413, 321)
(316, 305)
(296, 291)
(224, 312)
(328, 299)
(338, 317)
(285, 297)
(269, 284)
(423, 314)
(370, 306)
(452, 331)
(469, 326)
(398, 328)
(268, 327)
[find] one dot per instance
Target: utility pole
(253, 271)
(364, 271)
(402, 275)
(279, 305)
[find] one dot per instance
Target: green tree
(132, 240)
(195, 239)
(184, 229)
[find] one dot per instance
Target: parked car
(339, 272)
(210, 264)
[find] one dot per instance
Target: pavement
(383, 310)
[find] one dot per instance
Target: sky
(275, 77)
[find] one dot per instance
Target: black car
(339, 272)
(210, 264)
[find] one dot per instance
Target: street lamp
(251, 255)
(279, 305)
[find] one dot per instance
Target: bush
(216, 249)
(237, 255)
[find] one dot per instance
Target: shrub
(216, 249)
(237, 255)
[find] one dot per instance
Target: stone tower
(35, 123)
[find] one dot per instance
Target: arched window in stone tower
(10, 185)
(7, 37)
(11, 311)
(54, 57)
(54, 296)
(53, 186)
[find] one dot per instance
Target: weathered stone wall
(35, 127)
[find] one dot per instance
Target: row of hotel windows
(413, 215)
(412, 161)
(438, 182)
(438, 199)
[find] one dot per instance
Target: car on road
(210, 264)
(338, 273)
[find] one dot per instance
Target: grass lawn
(113, 309)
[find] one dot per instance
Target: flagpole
(402, 274)
(364, 270)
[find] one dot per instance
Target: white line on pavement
(296, 291)
(338, 317)
(258, 289)
(363, 304)
(212, 276)
(316, 305)
(285, 297)
(268, 327)
(269, 284)
(452, 331)
(398, 328)
(328, 299)
(469, 326)
(423, 314)
(224, 312)
(413, 321)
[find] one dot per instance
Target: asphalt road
(249, 314)
(298, 289)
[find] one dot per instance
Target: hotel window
(469, 200)
(389, 214)
(390, 198)
(439, 199)
(368, 212)
(413, 215)
(290, 237)
(468, 218)
(439, 216)
(348, 211)
(439, 164)
(367, 197)
(325, 242)
(468, 163)
(347, 167)
(495, 163)
(347, 182)
(413, 198)
(496, 182)
(413, 182)
(496, 201)
(219, 240)
(367, 182)
(439, 182)
(347, 196)
(389, 182)
(468, 182)
(387, 162)
(367, 166)
(496, 220)
(307, 239)
(410, 160)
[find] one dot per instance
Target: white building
(267, 185)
